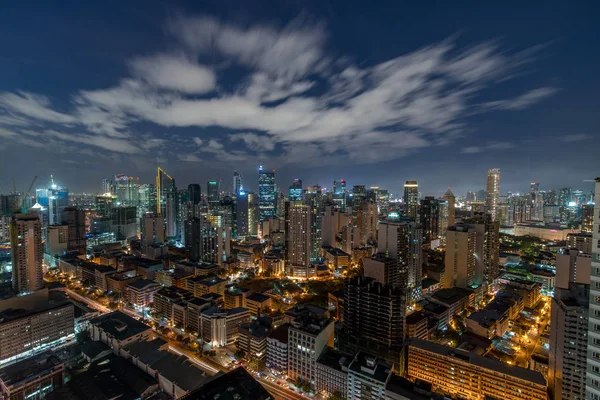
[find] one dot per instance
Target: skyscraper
(460, 257)
(592, 385)
(238, 183)
(430, 218)
(75, 219)
(212, 192)
(339, 194)
(449, 196)
(266, 194)
(297, 234)
(403, 241)
(193, 238)
(587, 218)
(411, 199)
(27, 252)
(246, 214)
(536, 200)
(194, 193)
(295, 190)
(492, 191)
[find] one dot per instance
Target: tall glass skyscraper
(266, 194)
(492, 191)
(295, 190)
(212, 192)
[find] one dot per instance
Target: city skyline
(340, 91)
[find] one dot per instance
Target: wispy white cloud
(578, 137)
(175, 73)
(190, 158)
(296, 97)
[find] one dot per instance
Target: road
(92, 303)
(279, 392)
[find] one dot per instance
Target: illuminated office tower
(449, 197)
(238, 183)
(27, 252)
(212, 192)
(295, 190)
(492, 191)
(411, 199)
(108, 185)
(266, 194)
(314, 198)
(127, 190)
(246, 214)
(359, 194)
(339, 194)
(592, 385)
(194, 193)
(297, 234)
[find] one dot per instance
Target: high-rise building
(374, 312)
(246, 214)
(587, 218)
(314, 199)
(449, 196)
(238, 183)
(403, 241)
(471, 196)
(492, 191)
(75, 219)
(153, 230)
(365, 223)
(27, 252)
(367, 377)
(193, 238)
(339, 194)
(126, 189)
(536, 199)
(460, 257)
(194, 193)
(123, 222)
(333, 221)
(295, 190)
(266, 194)
(308, 337)
(568, 342)
(212, 192)
(430, 218)
(411, 199)
(297, 234)
(592, 385)
(480, 195)
(569, 326)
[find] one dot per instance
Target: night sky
(374, 92)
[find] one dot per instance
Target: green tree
(336, 396)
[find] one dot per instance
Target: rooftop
(179, 369)
(371, 367)
(142, 284)
(228, 311)
(121, 326)
(257, 297)
(281, 333)
(415, 317)
(203, 280)
(335, 359)
(334, 251)
(235, 385)
(451, 295)
(406, 388)
(427, 282)
(28, 368)
(483, 362)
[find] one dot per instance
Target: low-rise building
(272, 264)
(466, 375)
(456, 299)
(253, 341)
(237, 384)
(206, 269)
(277, 348)
(141, 292)
(220, 326)
(416, 325)
(367, 377)
(332, 373)
(235, 296)
(117, 329)
(117, 283)
(174, 277)
(336, 258)
(202, 285)
(258, 303)
(32, 378)
(309, 335)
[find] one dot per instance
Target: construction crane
(28, 193)
(159, 175)
(19, 205)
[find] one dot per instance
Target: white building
(367, 377)
(593, 354)
(308, 337)
(277, 348)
